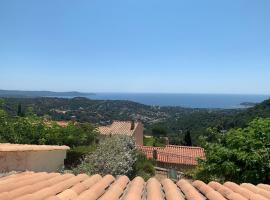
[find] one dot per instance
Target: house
(61, 123)
(55, 186)
(173, 156)
(22, 157)
(130, 128)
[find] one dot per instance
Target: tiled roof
(54, 186)
(59, 123)
(118, 127)
(4, 147)
(174, 154)
(62, 123)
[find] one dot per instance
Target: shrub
(154, 141)
(143, 167)
(33, 130)
(241, 155)
(76, 154)
(114, 155)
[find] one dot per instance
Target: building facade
(129, 128)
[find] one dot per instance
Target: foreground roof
(54, 186)
(118, 127)
(6, 147)
(174, 154)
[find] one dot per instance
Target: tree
(115, 155)
(240, 155)
(1, 101)
(187, 139)
(159, 131)
(19, 111)
(33, 130)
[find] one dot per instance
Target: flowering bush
(114, 155)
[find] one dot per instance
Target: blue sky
(176, 46)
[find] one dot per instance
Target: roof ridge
(182, 146)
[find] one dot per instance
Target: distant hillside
(85, 110)
(176, 120)
(242, 118)
(21, 93)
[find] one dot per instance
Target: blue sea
(228, 101)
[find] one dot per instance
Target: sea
(224, 101)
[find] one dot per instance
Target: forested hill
(174, 120)
(103, 111)
(242, 118)
(85, 110)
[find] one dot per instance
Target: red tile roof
(55, 186)
(4, 147)
(174, 154)
(62, 123)
(118, 127)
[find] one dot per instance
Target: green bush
(154, 141)
(143, 167)
(240, 155)
(33, 130)
(76, 154)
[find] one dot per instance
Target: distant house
(130, 128)
(173, 156)
(59, 123)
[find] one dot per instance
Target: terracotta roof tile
(154, 189)
(256, 190)
(172, 192)
(226, 192)
(116, 189)
(4, 147)
(118, 127)
(189, 191)
(97, 189)
(185, 155)
(135, 189)
(54, 186)
(264, 186)
(38, 186)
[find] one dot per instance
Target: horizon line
(130, 92)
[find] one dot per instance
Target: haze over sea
(184, 100)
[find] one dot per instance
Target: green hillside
(175, 121)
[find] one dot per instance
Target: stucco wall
(178, 167)
(138, 134)
(47, 161)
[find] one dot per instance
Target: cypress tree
(187, 138)
(19, 111)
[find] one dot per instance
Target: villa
(129, 128)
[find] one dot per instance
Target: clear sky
(181, 46)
